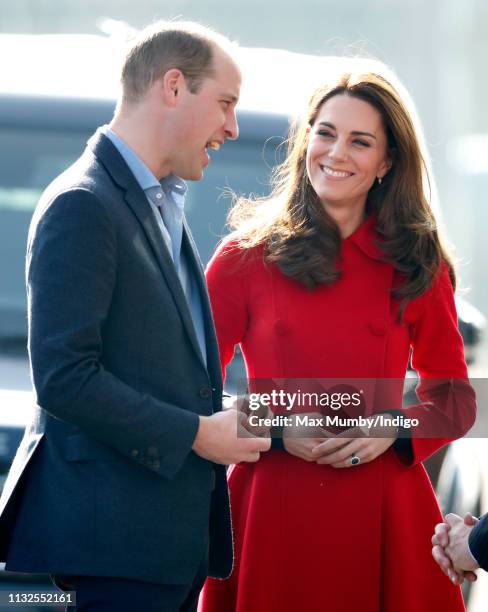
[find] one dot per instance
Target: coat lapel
(140, 207)
(135, 198)
(195, 265)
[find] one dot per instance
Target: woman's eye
(362, 143)
(324, 133)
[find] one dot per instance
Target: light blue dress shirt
(167, 200)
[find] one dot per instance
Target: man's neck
(136, 133)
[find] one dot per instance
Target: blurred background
(438, 48)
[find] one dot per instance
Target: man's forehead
(225, 63)
(229, 86)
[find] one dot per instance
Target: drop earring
(380, 180)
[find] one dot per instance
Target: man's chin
(193, 176)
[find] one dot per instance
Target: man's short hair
(164, 45)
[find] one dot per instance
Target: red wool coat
(310, 537)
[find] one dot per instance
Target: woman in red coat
(340, 274)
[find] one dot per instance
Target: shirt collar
(174, 185)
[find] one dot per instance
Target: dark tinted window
(239, 167)
(31, 158)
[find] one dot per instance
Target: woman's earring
(380, 180)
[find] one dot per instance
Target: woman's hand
(339, 450)
(300, 440)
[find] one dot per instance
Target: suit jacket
(105, 482)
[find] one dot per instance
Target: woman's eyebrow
(354, 133)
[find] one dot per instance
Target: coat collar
(106, 152)
(367, 238)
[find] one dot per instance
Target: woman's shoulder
(233, 255)
(441, 283)
(235, 244)
(441, 289)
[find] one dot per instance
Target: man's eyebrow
(354, 133)
(230, 97)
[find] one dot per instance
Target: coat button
(134, 453)
(378, 327)
(281, 328)
(205, 392)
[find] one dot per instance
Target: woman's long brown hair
(305, 242)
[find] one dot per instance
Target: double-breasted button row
(378, 326)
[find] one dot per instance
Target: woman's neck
(348, 219)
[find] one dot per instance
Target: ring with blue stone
(355, 460)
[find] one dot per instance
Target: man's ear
(172, 83)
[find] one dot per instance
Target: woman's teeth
(336, 173)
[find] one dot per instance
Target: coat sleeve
(71, 275)
(478, 542)
(447, 407)
(227, 286)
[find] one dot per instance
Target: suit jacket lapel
(195, 264)
(137, 201)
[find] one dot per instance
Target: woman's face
(346, 152)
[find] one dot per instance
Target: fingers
(251, 448)
(365, 449)
(252, 457)
(352, 434)
(242, 430)
(260, 431)
(261, 444)
(442, 559)
(342, 457)
(452, 519)
(300, 447)
(441, 535)
(456, 578)
(241, 417)
(470, 576)
(250, 440)
(331, 446)
(246, 430)
(470, 520)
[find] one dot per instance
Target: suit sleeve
(478, 542)
(447, 407)
(227, 286)
(71, 274)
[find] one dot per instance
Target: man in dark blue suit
(118, 488)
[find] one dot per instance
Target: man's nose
(231, 127)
